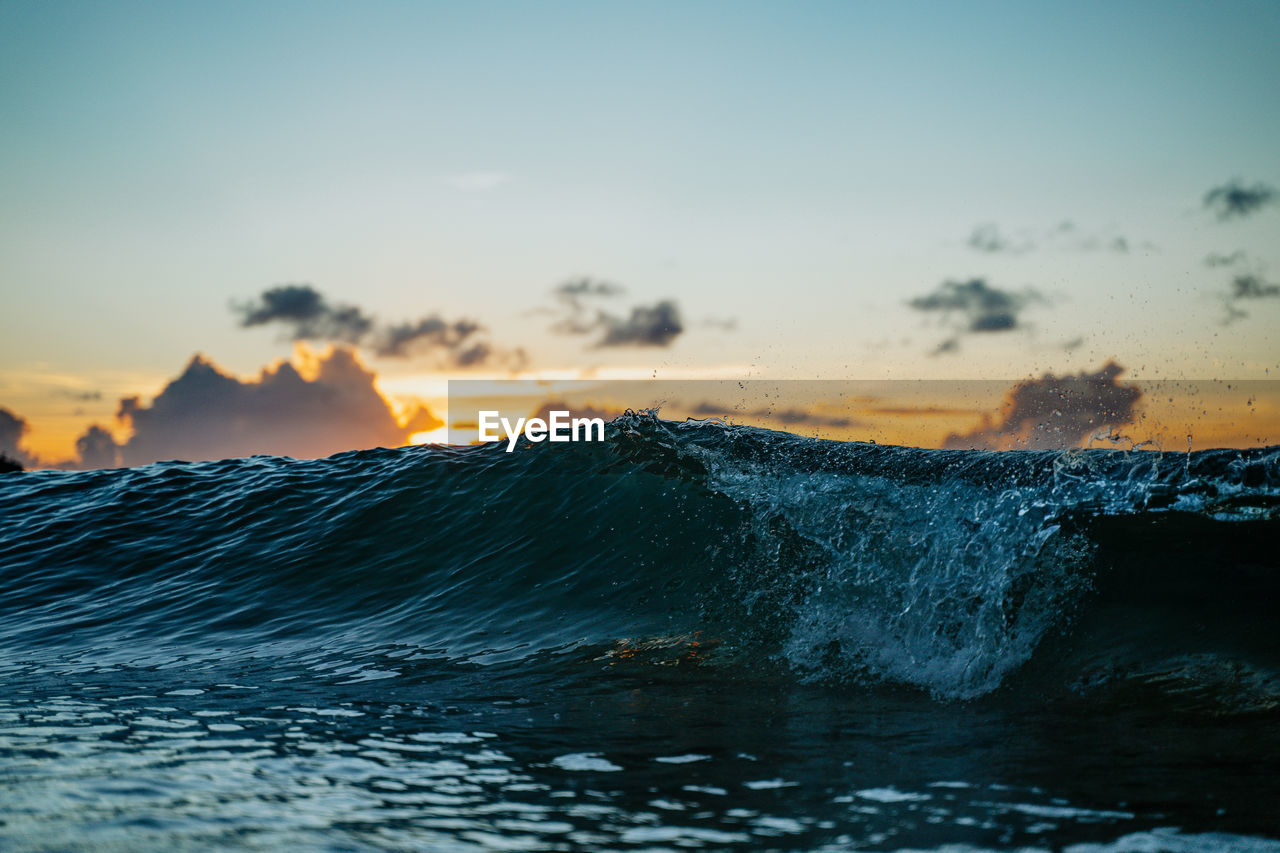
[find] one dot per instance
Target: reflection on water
(286, 759)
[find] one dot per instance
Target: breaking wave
(956, 573)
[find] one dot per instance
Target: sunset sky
(787, 190)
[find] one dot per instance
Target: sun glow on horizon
(439, 435)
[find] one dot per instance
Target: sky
(812, 190)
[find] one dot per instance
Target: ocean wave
(694, 545)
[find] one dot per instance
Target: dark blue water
(690, 636)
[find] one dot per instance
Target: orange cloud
(207, 414)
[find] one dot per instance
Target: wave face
(955, 572)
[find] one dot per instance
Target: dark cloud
(309, 316)
(1247, 287)
(656, 325)
(576, 297)
(477, 353)
(1234, 200)
(398, 339)
(206, 414)
(434, 331)
(1216, 259)
(461, 343)
(1055, 412)
(307, 313)
(12, 429)
(975, 307)
(576, 289)
(985, 308)
(987, 238)
(1252, 287)
(948, 345)
(1248, 283)
(82, 396)
(90, 446)
(96, 448)
(990, 239)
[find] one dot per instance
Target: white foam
(927, 604)
(585, 761)
(705, 789)
(890, 795)
(765, 784)
(641, 834)
(1060, 812)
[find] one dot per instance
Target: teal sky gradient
(802, 167)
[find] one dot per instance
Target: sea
(689, 636)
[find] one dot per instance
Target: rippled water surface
(248, 756)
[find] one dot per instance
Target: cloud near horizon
(1054, 412)
(318, 405)
(97, 448)
(205, 413)
(12, 428)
